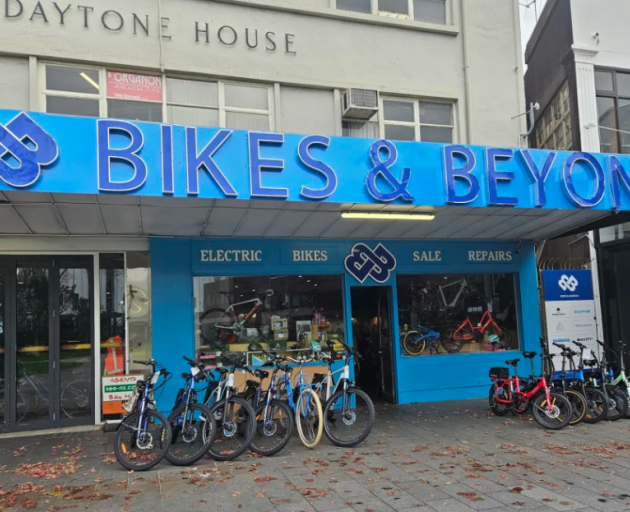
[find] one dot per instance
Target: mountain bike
(219, 326)
(596, 371)
(457, 336)
(621, 380)
(301, 399)
(550, 410)
(234, 417)
(144, 435)
(348, 411)
(415, 342)
(193, 425)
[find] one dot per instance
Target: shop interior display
(446, 314)
(249, 314)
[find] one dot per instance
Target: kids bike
(415, 342)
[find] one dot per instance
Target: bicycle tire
(316, 402)
(561, 407)
(449, 343)
(597, 405)
(620, 399)
(463, 335)
(329, 414)
(207, 434)
(287, 424)
(127, 424)
(409, 342)
(578, 403)
(246, 428)
(81, 391)
(504, 335)
(497, 408)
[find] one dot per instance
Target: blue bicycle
(415, 342)
(144, 436)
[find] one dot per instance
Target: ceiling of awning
(29, 213)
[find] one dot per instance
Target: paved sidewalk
(435, 457)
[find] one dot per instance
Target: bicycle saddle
(512, 362)
(590, 362)
(530, 355)
(252, 383)
(223, 371)
(261, 374)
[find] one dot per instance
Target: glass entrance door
(46, 342)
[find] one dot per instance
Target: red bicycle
(551, 410)
(486, 328)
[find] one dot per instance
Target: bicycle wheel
(596, 405)
(413, 343)
(212, 324)
(450, 343)
(552, 416)
(498, 408)
(578, 404)
(75, 399)
(308, 417)
(235, 429)
(194, 429)
(139, 446)
(350, 425)
(274, 425)
(617, 403)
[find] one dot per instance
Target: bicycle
(415, 342)
(220, 326)
(274, 418)
(551, 410)
(193, 426)
(462, 292)
(467, 332)
(235, 419)
(302, 400)
(559, 384)
(344, 403)
(144, 428)
(621, 380)
(599, 377)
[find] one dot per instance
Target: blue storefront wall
(174, 263)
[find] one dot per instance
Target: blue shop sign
(567, 285)
(60, 154)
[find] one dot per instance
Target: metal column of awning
(31, 213)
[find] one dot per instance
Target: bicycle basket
(501, 373)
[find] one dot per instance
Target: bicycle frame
(515, 388)
(237, 325)
(463, 284)
(486, 321)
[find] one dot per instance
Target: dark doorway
(372, 336)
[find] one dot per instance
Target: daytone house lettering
(231, 255)
(145, 25)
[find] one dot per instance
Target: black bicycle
(193, 426)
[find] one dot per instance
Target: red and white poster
(131, 86)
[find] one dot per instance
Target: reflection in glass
(33, 343)
(398, 111)
(2, 347)
(435, 134)
(138, 307)
(607, 119)
(457, 313)
(355, 5)
(75, 339)
(72, 79)
(624, 124)
(134, 110)
(72, 106)
(430, 11)
(400, 132)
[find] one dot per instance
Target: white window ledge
(302, 7)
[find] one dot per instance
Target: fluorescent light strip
(387, 216)
(90, 81)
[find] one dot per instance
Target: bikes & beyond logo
(24, 149)
(568, 283)
(363, 262)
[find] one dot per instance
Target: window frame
(374, 10)
(615, 96)
(417, 123)
(549, 122)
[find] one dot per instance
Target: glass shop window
(449, 314)
(280, 313)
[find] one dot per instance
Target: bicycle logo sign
(568, 283)
(363, 262)
(27, 159)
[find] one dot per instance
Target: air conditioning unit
(360, 103)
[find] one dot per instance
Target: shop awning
(29, 213)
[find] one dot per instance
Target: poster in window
(132, 86)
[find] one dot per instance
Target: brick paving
(441, 457)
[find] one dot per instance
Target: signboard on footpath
(117, 390)
(570, 309)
